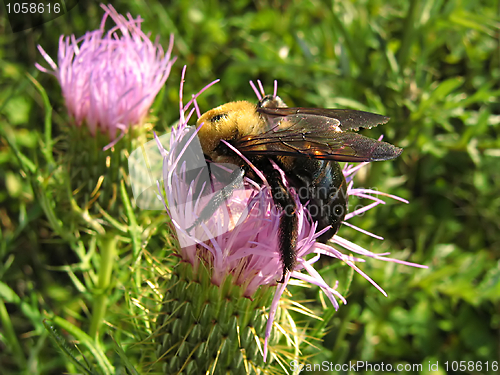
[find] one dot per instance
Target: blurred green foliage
(433, 66)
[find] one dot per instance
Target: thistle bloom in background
(109, 80)
(241, 240)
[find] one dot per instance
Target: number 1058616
(32, 8)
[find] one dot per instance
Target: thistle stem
(107, 245)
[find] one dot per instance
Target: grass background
(432, 66)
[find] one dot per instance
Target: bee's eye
(264, 102)
(218, 117)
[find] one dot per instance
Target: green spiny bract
(205, 328)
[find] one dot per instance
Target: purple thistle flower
(109, 80)
(242, 238)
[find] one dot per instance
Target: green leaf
(65, 347)
(8, 294)
(130, 367)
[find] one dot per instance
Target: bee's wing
(318, 133)
(347, 119)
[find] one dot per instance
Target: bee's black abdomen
(321, 185)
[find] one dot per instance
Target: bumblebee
(306, 144)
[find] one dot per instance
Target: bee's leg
(288, 226)
(221, 196)
(211, 176)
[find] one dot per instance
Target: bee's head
(270, 101)
(229, 122)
